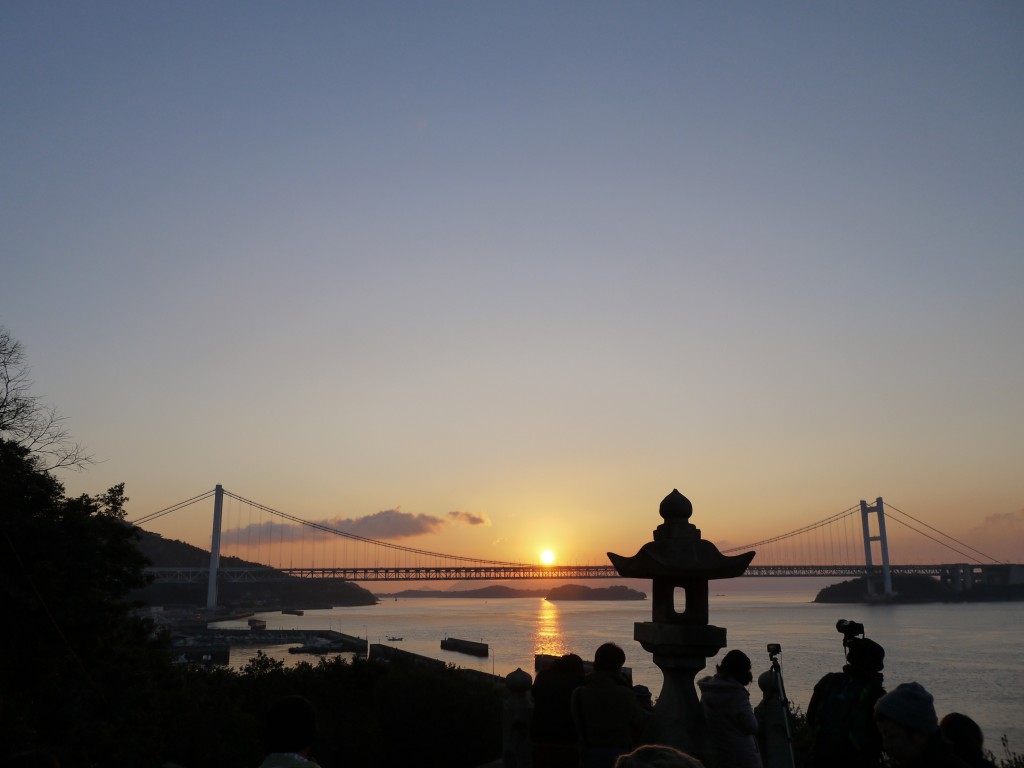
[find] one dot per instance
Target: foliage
(89, 683)
(1011, 759)
(67, 568)
(95, 685)
(800, 734)
(443, 717)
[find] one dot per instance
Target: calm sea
(969, 656)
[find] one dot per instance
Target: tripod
(781, 757)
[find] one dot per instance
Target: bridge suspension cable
(813, 526)
(364, 539)
(173, 508)
(891, 508)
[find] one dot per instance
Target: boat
(464, 646)
(257, 624)
(293, 611)
(394, 639)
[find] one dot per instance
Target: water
(968, 656)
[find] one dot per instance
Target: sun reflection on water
(547, 636)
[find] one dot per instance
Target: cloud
(469, 518)
(388, 524)
(1001, 520)
(1000, 536)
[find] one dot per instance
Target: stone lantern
(681, 642)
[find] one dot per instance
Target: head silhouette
(736, 665)
(964, 734)
(609, 658)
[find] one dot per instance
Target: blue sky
(535, 262)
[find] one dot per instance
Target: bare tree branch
(26, 421)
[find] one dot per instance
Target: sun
(547, 557)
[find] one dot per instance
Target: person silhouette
(840, 715)
(555, 741)
(967, 739)
(910, 730)
(731, 724)
(608, 717)
(773, 733)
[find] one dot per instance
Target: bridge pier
(218, 513)
(869, 571)
(960, 577)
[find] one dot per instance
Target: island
(497, 592)
(918, 588)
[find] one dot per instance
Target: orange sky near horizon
(489, 279)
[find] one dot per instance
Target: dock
(312, 641)
(470, 647)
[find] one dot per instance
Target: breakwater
(213, 643)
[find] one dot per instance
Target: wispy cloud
(469, 518)
(999, 535)
(1001, 520)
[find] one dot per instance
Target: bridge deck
(496, 573)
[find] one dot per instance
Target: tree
(82, 669)
(26, 421)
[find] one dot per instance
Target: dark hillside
(917, 588)
(289, 593)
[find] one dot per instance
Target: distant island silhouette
(497, 592)
(917, 588)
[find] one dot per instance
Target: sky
(491, 278)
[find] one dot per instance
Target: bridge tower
(869, 572)
(218, 512)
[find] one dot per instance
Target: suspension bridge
(251, 542)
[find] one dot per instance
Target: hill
(290, 592)
(917, 588)
(497, 592)
(578, 592)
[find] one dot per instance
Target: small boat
(257, 624)
(293, 611)
(394, 639)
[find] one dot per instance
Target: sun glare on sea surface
(547, 557)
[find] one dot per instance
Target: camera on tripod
(849, 630)
(774, 649)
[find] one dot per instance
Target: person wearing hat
(910, 729)
(730, 720)
(840, 715)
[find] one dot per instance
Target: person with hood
(840, 715)
(910, 729)
(730, 720)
